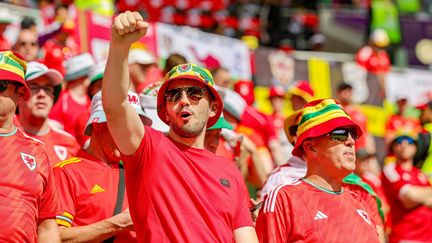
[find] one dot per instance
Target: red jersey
(407, 224)
(87, 190)
(66, 111)
(27, 189)
(303, 212)
(179, 193)
(374, 61)
(59, 144)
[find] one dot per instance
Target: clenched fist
(128, 27)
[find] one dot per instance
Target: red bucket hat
(193, 72)
(13, 68)
(303, 89)
(320, 117)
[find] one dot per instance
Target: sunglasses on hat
(5, 83)
(193, 93)
(399, 140)
(342, 134)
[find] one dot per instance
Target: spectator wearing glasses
(178, 191)
(29, 200)
(45, 87)
(408, 191)
(317, 208)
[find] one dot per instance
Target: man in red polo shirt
(178, 191)
(45, 86)
(90, 185)
(28, 202)
(316, 208)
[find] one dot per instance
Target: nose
(350, 142)
(184, 100)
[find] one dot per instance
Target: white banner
(414, 84)
(204, 49)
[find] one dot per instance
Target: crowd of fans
(73, 121)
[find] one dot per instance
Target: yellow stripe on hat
(320, 120)
(12, 69)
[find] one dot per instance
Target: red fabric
(368, 200)
(397, 122)
(27, 196)
(260, 122)
(67, 111)
(56, 54)
(80, 127)
(225, 150)
(303, 213)
(376, 183)
(184, 194)
(87, 189)
(374, 61)
(4, 44)
(59, 144)
(407, 224)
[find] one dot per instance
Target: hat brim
(161, 104)
(77, 75)
(100, 117)
(323, 129)
(221, 124)
(6, 75)
(290, 121)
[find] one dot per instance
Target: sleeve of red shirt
(393, 180)
(66, 191)
(49, 203)
(243, 217)
(273, 223)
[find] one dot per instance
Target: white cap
(78, 66)
(141, 56)
(97, 114)
(37, 69)
(233, 102)
(97, 71)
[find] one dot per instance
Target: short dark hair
(174, 60)
(344, 86)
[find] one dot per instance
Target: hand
(123, 220)
(128, 27)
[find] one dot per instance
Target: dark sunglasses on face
(5, 83)
(400, 140)
(35, 89)
(341, 135)
(193, 93)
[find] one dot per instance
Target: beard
(189, 130)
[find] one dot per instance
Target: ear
(309, 147)
(21, 92)
(214, 106)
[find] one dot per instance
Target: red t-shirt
(183, 194)
(27, 189)
(407, 224)
(302, 212)
(260, 122)
(87, 189)
(67, 111)
(374, 61)
(59, 144)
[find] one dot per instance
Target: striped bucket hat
(193, 72)
(303, 89)
(13, 68)
(320, 117)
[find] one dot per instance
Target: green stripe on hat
(206, 76)
(12, 62)
(322, 111)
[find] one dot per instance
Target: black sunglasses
(193, 93)
(341, 134)
(5, 83)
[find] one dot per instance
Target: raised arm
(123, 122)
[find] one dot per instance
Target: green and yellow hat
(320, 117)
(193, 72)
(13, 68)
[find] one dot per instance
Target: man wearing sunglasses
(408, 191)
(178, 191)
(316, 208)
(45, 87)
(28, 196)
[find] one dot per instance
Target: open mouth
(185, 115)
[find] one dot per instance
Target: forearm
(48, 231)
(411, 196)
(276, 151)
(116, 79)
(96, 232)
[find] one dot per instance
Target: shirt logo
(60, 151)
(365, 216)
(96, 189)
(320, 215)
(29, 160)
(132, 99)
(225, 182)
